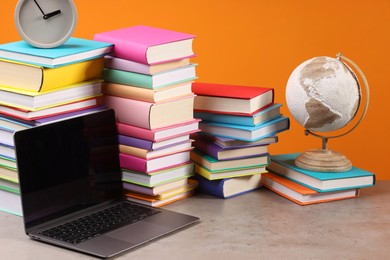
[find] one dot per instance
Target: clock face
(45, 23)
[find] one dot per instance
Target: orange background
(259, 43)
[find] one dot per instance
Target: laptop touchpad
(138, 232)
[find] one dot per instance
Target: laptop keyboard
(90, 226)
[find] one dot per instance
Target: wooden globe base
(323, 160)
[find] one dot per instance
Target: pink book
(138, 164)
(148, 45)
(160, 134)
(151, 115)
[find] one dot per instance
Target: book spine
(214, 188)
(133, 163)
(136, 142)
(130, 111)
(128, 78)
(126, 65)
(137, 132)
(127, 91)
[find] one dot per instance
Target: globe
(323, 94)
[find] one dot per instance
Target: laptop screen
(67, 166)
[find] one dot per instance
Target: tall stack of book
(306, 187)
(38, 86)
(148, 81)
(238, 124)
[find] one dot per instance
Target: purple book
(150, 145)
(209, 147)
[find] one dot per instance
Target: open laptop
(70, 170)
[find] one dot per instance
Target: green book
(284, 165)
(155, 81)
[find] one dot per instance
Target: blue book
(72, 51)
(262, 116)
(229, 187)
(284, 165)
(246, 133)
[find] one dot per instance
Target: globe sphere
(323, 94)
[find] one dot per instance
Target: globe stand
(325, 160)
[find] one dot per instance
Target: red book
(231, 99)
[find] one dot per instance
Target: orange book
(300, 194)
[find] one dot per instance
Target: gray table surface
(258, 225)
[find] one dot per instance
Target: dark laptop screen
(67, 166)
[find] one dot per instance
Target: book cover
(160, 177)
(137, 67)
(155, 81)
(226, 142)
(151, 115)
(209, 147)
(303, 195)
(284, 165)
(159, 203)
(168, 93)
(134, 163)
(246, 133)
(229, 187)
(262, 116)
(213, 164)
(28, 77)
(72, 51)
(148, 45)
(231, 99)
(159, 134)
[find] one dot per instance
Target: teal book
(155, 81)
(246, 133)
(284, 165)
(72, 51)
(262, 116)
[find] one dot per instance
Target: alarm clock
(45, 23)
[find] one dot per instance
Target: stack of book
(306, 187)
(238, 124)
(38, 86)
(147, 81)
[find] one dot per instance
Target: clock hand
(47, 16)
(39, 8)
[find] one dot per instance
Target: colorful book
(231, 99)
(303, 195)
(262, 116)
(229, 187)
(159, 134)
(7, 151)
(10, 202)
(155, 81)
(169, 93)
(134, 163)
(164, 198)
(152, 191)
(213, 164)
(137, 67)
(246, 133)
(9, 174)
(29, 77)
(33, 101)
(231, 173)
(148, 45)
(226, 142)
(150, 154)
(160, 177)
(25, 114)
(209, 147)
(9, 186)
(151, 145)
(153, 202)
(284, 165)
(7, 162)
(151, 115)
(72, 51)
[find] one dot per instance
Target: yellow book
(237, 172)
(32, 78)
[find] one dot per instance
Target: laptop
(71, 189)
